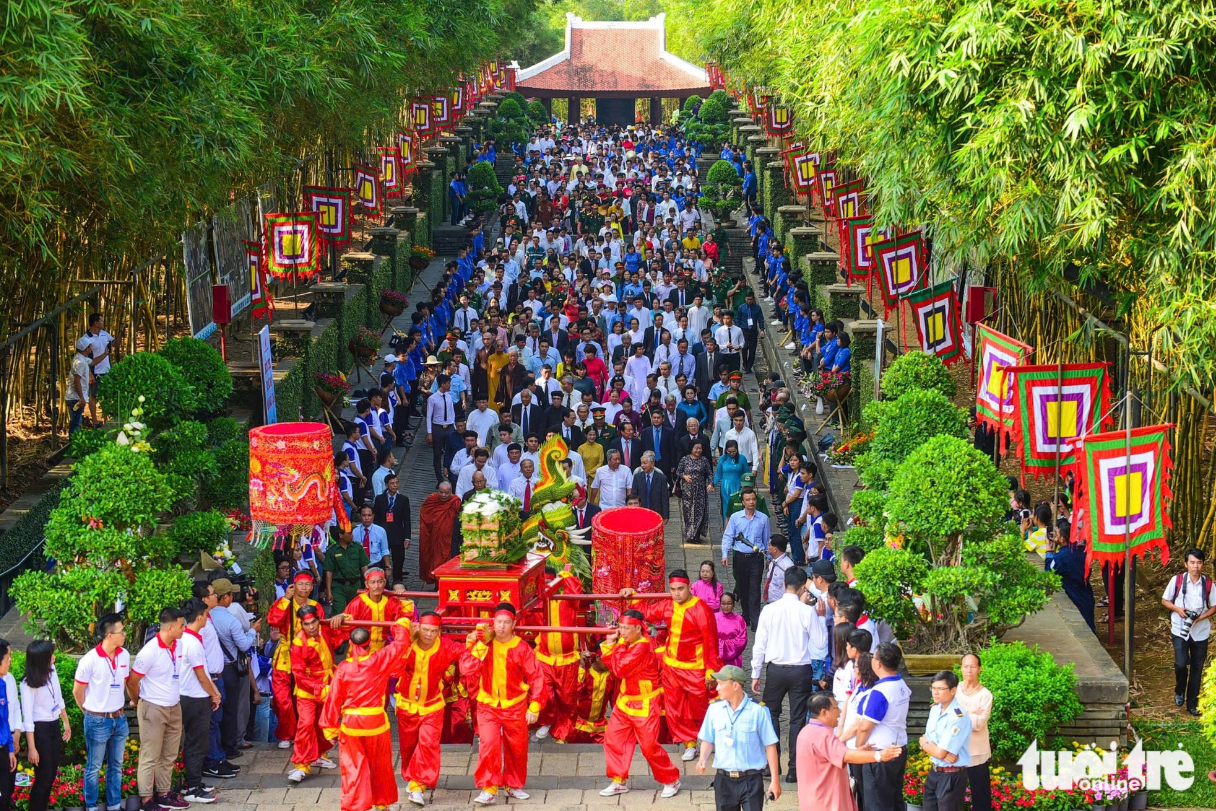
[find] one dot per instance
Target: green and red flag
(936, 313)
(293, 245)
(391, 172)
(901, 266)
(802, 168)
(260, 301)
(779, 119)
(367, 188)
(859, 243)
(849, 200)
(441, 110)
(993, 353)
(332, 207)
(825, 175)
(420, 116)
(1053, 408)
(1124, 496)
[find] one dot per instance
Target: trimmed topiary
(917, 370)
(204, 369)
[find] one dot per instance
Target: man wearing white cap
(78, 386)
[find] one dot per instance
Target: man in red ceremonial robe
(635, 718)
(312, 667)
(558, 657)
(458, 692)
(375, 605)
(690, 656)
(354, 714)
(420, 704)
(596, 690)
(509, 692)
(282, 615)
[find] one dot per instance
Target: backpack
(1205, 589)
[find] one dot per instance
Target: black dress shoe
(791, 778)
(1178, 700)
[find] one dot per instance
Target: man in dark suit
(653, 333)
(629, 446)
(660, 440)
(527, 415)
(650, 487)
(681, 296)
(694, 436)
(558, 339)
(391, 512)
(707, 368)
(584, 512)
(569, 431)
(624, 350)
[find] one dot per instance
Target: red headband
(432, 620)
(502, 612)
(302, 576)
(675, 578)
(624, 620)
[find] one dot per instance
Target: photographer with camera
(1191, 598)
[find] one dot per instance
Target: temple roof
(614, 59)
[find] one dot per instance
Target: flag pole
(1055, 499)
(1128, 584)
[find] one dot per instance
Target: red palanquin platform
(627, 552)
(474, 592)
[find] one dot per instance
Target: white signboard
(270, 411)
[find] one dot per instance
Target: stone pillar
(755, 141)
(423, 200)
(438, 155)
(787, 217)
(656, 110)
(774, 193)
(384, 243)
(803, 239)
(573, 114)
(864, 336)
(821, 267)
(405, 218)
(844, 301)
(454, 146)
(465, 134)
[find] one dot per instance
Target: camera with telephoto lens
(1191, 616)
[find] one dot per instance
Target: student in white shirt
(154, 688)
(199, 698)
(100, 691)
(44, 709)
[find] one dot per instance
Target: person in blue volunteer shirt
(840, 363)
(633, 259)
(946, 739)
(749, 183)
(883, 722)
(828, 345)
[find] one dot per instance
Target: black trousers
(749, 569)
(858, 784)
(794, 681)
(196, 734)
(981, 787)
(732, 360)
(229, 734)
(397, 550)
(48, 737)
(1189, 655)
(7, 779)
(439, 440)
(883, 784)
(367, 463)
(944, 791)
(743, 793)
(751, 338)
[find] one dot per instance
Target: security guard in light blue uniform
(945, 741)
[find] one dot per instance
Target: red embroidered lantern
(627, 548)
(292, 482)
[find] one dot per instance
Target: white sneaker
(485, 798)
(416, 798)
(671, 790)
(774, 323)
(790, 345)
(542, 733)
(689, 753)
(614, 788)
(518, 794)
(295, 776)
(285, 744)
(325, 763)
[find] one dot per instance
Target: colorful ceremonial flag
(405, 148)
(803, 168)
(826, 175)
(862, 235)
(849, 199)
(994, 351)
(441, 111)
(420, 116)
(1053, 408)
(779, 119)
(367, 189)
(901, 266)
(456, 97)
(332, 207)
(510, 78)
(391, 172)
(260, 301)
(938, 327)
(293, 245)
(1121, 501)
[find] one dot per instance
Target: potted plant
(420, 257)
(330, 387)
(392, 303)
(364, 344)
(915, 774)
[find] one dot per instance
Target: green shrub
(723, 188)
(223, 429)
(537, 113)
(120, 488)
(188, 471)
(199, 532)
(516, 97)
(869, 529)
(484, 190)
(88, 440)
(916, 370)
(1032, 697)
(511, 109)
(167, 395)
(713, 111)
(185, 437)
(65, 671)
(154, 590)
(887, 577)
(229, 489)
(203, 369)
(691, 103)
(901, 426)
(64, 606)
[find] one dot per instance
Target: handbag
(241, 661)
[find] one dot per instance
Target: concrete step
(448, 239)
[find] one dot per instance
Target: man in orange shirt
(282, 615)
(354, 714)
(312, 667)
(374, 604)
(690, 657)
(635, 718)
(558, 657)
(509, 691)
(420, 704)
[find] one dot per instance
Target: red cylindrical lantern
(627, 545)
(291, 474)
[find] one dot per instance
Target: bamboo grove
(122, 122)
(1066, 151)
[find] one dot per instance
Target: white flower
(122, 439)
(141, 398)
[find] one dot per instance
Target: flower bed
(68, 789)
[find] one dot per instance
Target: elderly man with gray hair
(650, 486)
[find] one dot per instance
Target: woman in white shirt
(976, 701)
(44, 708)
(865, 679)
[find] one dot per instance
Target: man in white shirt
(154, 688)
(199, 698)
(790, 639)
(1191, 599)
(612, 482)
(78, 384)
(482, 420)
(481, 458)
(101, 678)
(698, 317)
(519, 485)
(749, 447)
(99, 358)
(730, 341)
(508, 469)
(774, 573)
(883, 722)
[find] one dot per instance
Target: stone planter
(928, 664)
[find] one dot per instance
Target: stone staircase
(447, 239)
(503, 167)
(740, 246)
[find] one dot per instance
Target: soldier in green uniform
(604, 433)
(735, 381)
(345, 563)
(735, 504)
(721, 238)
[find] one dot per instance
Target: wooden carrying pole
(559, 629)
